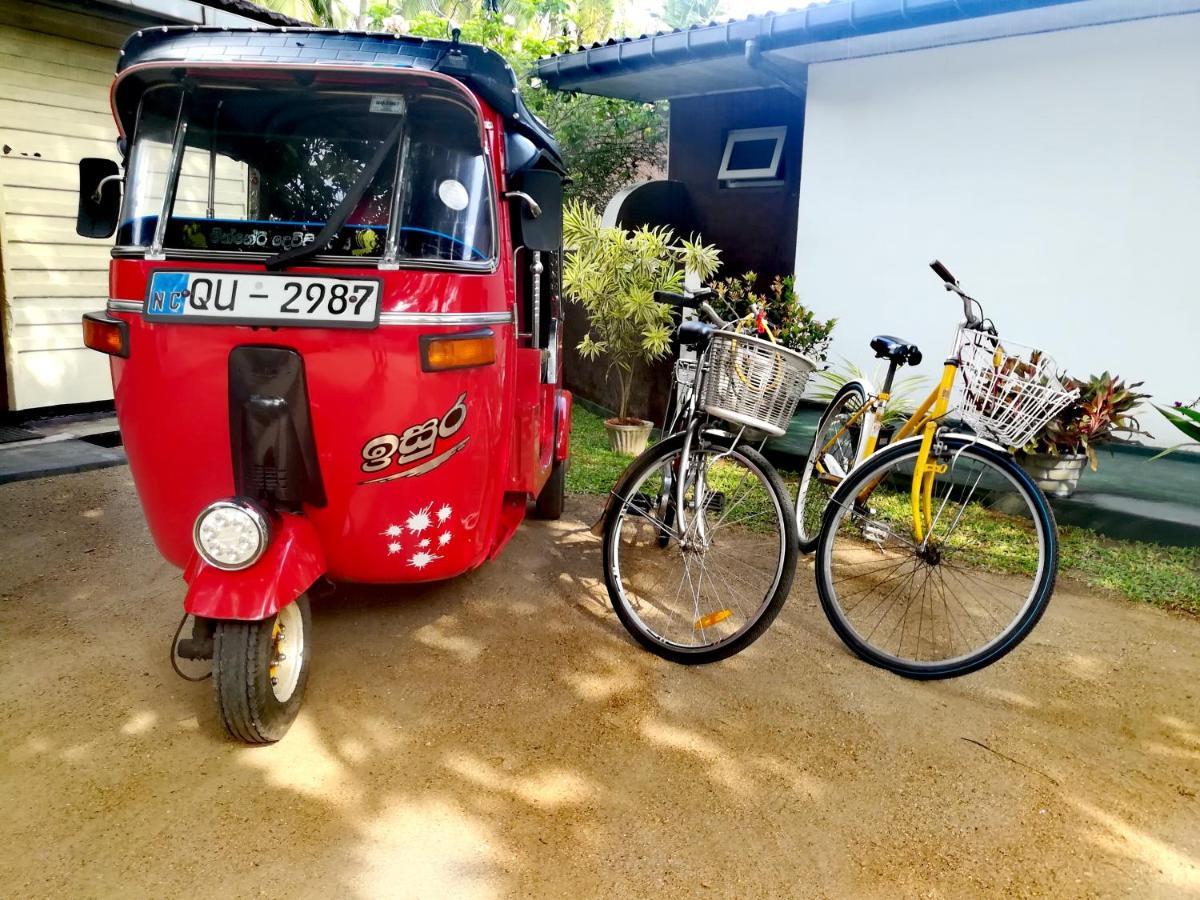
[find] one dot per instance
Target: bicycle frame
(924, 421)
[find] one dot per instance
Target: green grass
(1149, 573)
(594, 468)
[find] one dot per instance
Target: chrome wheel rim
(287, 652)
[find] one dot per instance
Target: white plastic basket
(1008, 391)
(752, 382)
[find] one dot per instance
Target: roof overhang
(713, 58)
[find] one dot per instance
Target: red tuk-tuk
(333, 324)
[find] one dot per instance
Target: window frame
(778, 133)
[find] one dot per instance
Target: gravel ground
(499, 735)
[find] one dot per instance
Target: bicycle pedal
(833, 468)
(876, 534)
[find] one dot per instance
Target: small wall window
(752, 156)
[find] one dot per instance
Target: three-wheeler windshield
(260, 171)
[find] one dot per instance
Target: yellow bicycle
(937, 554)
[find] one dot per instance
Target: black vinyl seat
(898, 351)
(695, 334)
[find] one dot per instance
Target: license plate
(258, 299)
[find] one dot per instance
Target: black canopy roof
(483, 71)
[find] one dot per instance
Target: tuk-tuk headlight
(231, 534)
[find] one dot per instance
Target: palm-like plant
(1187, 420)
(614, 273)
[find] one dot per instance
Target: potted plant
(614, 273)
(1056, 455)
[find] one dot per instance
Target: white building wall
(1057, 174)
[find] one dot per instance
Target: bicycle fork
(927, 470)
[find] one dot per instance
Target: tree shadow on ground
(501, 735)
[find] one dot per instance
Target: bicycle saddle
(894, 349)
(695, 334)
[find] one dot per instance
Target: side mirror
(539, 219)
(99, 198)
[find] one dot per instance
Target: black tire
(550, 502)
(808, 520)
(766, 614)
(1042, 585)
(242, 661)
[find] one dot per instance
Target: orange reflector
(105, 334)
(457, 351)
(713, 618)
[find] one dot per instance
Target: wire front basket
(1008, 391)
(752, 382)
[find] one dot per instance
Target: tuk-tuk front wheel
(260, 670)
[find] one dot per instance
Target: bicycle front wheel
(712, 588)
(965, 594)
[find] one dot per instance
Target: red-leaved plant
(1102, 414)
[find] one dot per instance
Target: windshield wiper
(349, 203)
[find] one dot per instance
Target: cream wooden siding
(53, 111)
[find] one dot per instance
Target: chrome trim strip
(487, 267)
(483, 318)
(385, 318)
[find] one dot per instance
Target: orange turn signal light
(440, 353)
(106, 334)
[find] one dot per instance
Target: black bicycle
(699, 533)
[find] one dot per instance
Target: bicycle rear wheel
(715, 587)
(962, 597)
(823, 471)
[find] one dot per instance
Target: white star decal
(443, 539)
(393, 531)
(419, 520)
(444, 513)
(422, 559)
(393, 547)
(423, 543)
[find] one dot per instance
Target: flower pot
(628, 439)
(1056, 474)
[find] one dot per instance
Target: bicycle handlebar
(683, 301)
(695, 301)
(942, 272)
(951, 284)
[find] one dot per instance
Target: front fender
(562, 440)
(291, 564)
(956, 435)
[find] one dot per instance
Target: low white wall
(1057, 174)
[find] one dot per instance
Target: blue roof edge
(832, 21)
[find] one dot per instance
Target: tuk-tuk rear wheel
(260, 670)
(550, 502)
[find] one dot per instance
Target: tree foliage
(682, 13)
(326, 13)
(607, 144)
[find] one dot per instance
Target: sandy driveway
(500, 736)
